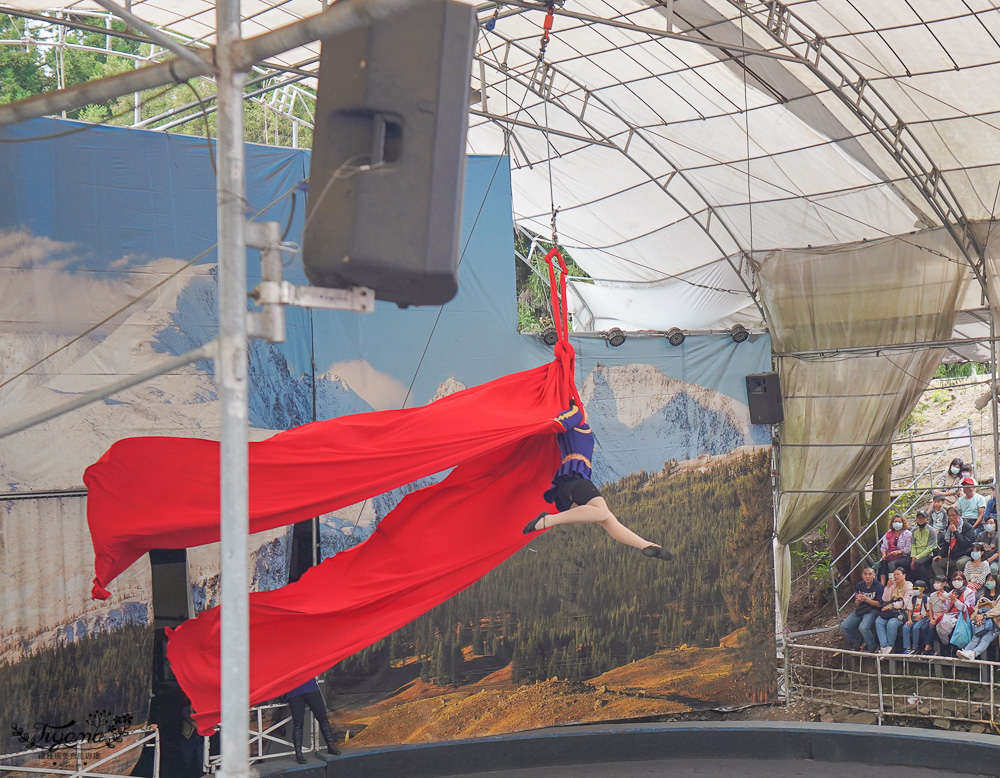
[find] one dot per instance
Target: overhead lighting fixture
(739, 333)
(550, 336)
(675, 337)
(614, 337)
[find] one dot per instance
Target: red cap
(968, 481)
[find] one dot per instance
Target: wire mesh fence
(894, 686)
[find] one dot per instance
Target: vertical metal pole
(972, 445)
(913, 460)
(993, 406)
(231, 383)
(881, 703)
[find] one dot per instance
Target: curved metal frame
(542, 84)
(876, 114)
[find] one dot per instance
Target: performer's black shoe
(532, 525)
(658, 552)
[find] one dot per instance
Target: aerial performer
(574, 494)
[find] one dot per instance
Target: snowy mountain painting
(87, 300)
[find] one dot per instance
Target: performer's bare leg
(596, 512)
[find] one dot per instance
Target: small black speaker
(764, 399)
(172, 603)
(388, 159)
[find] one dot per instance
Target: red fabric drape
(147, 493)
(150, 492)
(437, 542)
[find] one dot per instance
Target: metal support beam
(188, 55)
(339, 18)
(651, 31)
(231, 385)
(532, 126)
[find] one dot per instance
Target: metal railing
(147, 736)
(263, 741)
(893, 685)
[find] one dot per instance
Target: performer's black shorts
(576, 490)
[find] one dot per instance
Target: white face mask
(957, 584)
(991, 527)
(954, 471)
(976, 555)
(938, 586)
(897, 525)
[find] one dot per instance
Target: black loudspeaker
(388, 159)
(172, 603)
(764, 399)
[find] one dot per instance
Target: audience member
(977, 569)
(988, 537)
(949, 483)
(984, 629)
(971, 505)
(895, 548)
(895, 598)
(938, 513)
(989, 492)
(939, 605)
(922, 547)
(954, 545)
(917, 631)
(860, 625)
(961, 599)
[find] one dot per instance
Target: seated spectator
(991, 502)
(895, 597)
(860, 625)
(988, 537)
(977, 569)
(895, 548)
(917, 631)
(938, 513)
(949, 482)
(939, 605)
(961, 599)
(954, 545)
(971, 505)
(922, 547)
(984, 629)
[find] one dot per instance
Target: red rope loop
(560, 318)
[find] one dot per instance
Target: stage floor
(749, 768)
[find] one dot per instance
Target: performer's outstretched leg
(596, 511)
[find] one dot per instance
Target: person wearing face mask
(895, 548)
(971, 505)
(977, 569)
(922, 547)
(991, 505)
(954, 545)
(895, 598)
(917, 628)
(949, 483)
(988, 538)
(961, 599)
(938, 604)
(984, 625)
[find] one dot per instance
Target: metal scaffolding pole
(231, 383)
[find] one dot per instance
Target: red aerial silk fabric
(159, 492)
(438, 541)
(147, 493)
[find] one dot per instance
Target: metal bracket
(358, 299)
